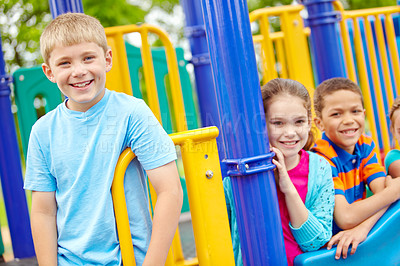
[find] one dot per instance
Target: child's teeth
(82, 84)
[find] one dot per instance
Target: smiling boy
(340, 114)
(73, 151)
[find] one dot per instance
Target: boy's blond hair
(330, 86)
(70, 29)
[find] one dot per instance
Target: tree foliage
(361, 4)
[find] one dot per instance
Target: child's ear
(318, 123)
(47, 71)
(108, 60)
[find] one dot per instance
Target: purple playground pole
(248, 158)
(322, 20)
(58, 7)
(11, 173)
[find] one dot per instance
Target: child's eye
(335, 114)
(357, 111)
(88, 58)
(300, 122)
(276, 123)
(63, 63)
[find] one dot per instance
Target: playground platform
(185, 229)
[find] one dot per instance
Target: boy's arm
(165, 180)
(360, 232)
(348, 216)
(44, 228)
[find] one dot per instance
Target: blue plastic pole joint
(323, 22)
(248, 158)
(11, 174)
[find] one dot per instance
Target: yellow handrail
(206, 198)
(120, 210)
(118, 79)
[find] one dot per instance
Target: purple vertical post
(322, 20)
(196, 34)
(11, 173)
(248, 158)
(58, 7)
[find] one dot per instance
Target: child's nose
(79, 70)
(348, 118)
(290, 131)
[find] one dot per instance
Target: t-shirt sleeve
(391, 157)
(317, 230)
(371, 168)
(37, 175)
(148, 140)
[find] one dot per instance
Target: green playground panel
(30, 83)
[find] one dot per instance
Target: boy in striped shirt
(340, 114)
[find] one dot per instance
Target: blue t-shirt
(75, 154)
(392, 156)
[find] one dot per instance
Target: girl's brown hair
(289, 87)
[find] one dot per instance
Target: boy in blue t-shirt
(73, 151)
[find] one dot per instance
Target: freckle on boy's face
(342, 118)
(80, 73)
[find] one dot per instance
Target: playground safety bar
(206, 198)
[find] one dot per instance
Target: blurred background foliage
(22, 21)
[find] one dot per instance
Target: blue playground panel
(382, 246)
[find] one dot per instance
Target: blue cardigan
(320, 199)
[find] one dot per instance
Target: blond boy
(73, 151)
(340, 115)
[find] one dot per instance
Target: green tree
(21, 22)
(361, 4)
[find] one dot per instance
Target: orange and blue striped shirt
(351, 172)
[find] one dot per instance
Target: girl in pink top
(287, 107)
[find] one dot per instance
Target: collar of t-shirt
(89, 113)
